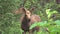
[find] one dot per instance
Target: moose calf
(27, 19)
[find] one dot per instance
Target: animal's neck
(25, 20)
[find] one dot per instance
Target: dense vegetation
(48, 10)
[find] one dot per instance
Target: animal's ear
(23, 9)
(20, 10)
(32, 9)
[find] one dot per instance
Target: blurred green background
(9, 22)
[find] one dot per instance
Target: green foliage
(50, 26)
(50, 12)
(10, 24)
(53, 26)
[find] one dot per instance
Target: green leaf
(42, 24)
(33, 25)
(57, 22)
(48, 11)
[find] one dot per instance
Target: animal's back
(35, 18)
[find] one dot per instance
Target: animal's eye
(27, 13)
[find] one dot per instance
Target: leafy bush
(9, 22)
(50, 26)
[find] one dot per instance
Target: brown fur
(27, 19)
(27, 22)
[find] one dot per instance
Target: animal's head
(24, 11)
